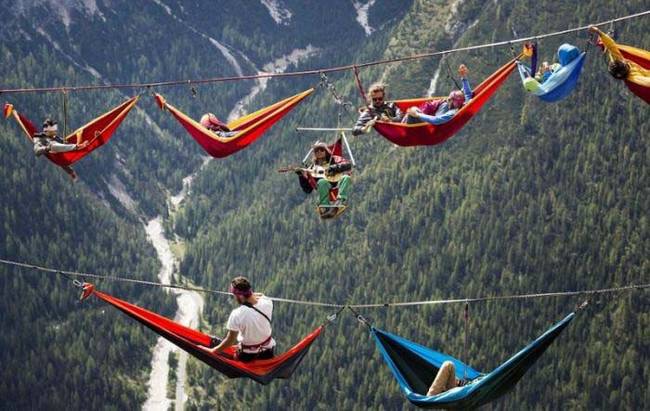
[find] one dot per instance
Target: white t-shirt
(252, 327)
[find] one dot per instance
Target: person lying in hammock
(249, 326)
(48, 141)
(566, 54)
(445, 379)
(325, 172)
(440, 111)
(377, 108)
(619, 67)
(212, 123)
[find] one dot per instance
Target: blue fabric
(415, 366)
(562, 82)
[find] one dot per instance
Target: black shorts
(262, 355)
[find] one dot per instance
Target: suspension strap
(64, 97)
(466, 315)
(451, 76)
(357, 79)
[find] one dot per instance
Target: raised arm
(609, 43)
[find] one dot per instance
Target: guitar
(314, 171)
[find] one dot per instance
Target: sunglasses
(377, 99)
(319, 149)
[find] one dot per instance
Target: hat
(320, 144)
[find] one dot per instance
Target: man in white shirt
(249, 326)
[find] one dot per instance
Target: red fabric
(430, 107)
(635, 55)
(639, 90)
(98, 131)
(196, 343)
(425, 134)
(250, 130)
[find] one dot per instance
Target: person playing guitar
(325, 172)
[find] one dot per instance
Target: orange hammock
(249, 128)
(642, 58)
(97, 131)
(198, 344)
(425, 134)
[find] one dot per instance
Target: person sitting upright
(249, 326)
(332, 165)
(377, 109)
(440, 111)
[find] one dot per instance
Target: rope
(321, 70)
(352, 307)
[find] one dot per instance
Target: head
(211, 122)
(619, 69)
(50, 127)
(456, 99)
(241, 288)
(321, 151)
(376, 94)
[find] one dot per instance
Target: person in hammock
(440, 111)
(377, 109)
(48, 141)
(249, 325)
(566, 54)
(619, 67)
(212, 123)
(334, 166)
(445, 379)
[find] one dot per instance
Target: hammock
(97, 131)
(425, 134)
(249, 128)
(562, 82)
(642, 58)
(197, 344)
(415, 367)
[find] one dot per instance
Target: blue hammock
(562, 81)
(415, 366)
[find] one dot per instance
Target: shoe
(327, 212)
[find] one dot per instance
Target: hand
(369, 125)
(413, 112)
(593, 29)
(462, 70)
(83, 145)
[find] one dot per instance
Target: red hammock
(197, 344)
(97, 131)
(425, 134)
(642, 58)
(249, 128)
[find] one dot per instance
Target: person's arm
(61, 147)
(229, 341)
(467, 89)
(360, 127)
(440, 118)
(339, 166)
(610, 45)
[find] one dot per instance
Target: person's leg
(445, 379)
(323, 187)
(344, 188)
